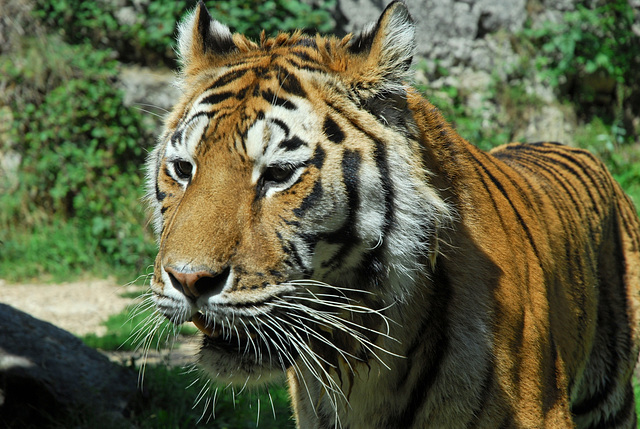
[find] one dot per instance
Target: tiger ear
(386, 47)
(200, 37)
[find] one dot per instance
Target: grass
(170, 396)
(636, 391)
(170, 400)
(123, 328)
(55, 252)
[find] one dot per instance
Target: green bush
(76, 205)
(592, 56)
(144, 31)
(589, 41)
(468, 122)
(82, 154)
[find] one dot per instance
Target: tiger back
(317, 217)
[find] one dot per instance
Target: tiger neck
(445, 153)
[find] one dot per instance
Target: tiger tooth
(201, 323)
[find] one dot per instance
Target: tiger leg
(604, 397)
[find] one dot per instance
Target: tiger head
(289, 209)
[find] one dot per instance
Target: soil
(78, 307)
(82, 307)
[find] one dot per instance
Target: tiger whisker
(153, 106)
(354, 309)
(331, 320)
(337, 324)
(311, 282)
(292, 361)
(331, 385)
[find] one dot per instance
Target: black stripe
(176, 137)
(426, 352)
(290, 83)
(168, 174)
(505, 194)
(227, 78)
(217, 98)
(347, 234)
(281, 124)
(292, 144)
(273, 99)
(310, 200)
(597, 179)
(382, 164)
(621, 415)
(313, 67)
(209, 114)
(332, 130)
(293, 250)
(373, 268)
(540, 150)
(524, 197)
(302, 55)
(290, 249)
(524, 157)
(492, 197)
(560, 207)
(159, 194)
(627, 214)
(318, 158)
(380, 157)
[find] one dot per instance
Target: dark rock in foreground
(48, 376)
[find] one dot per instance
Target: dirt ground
(81, 307)
(78, 307)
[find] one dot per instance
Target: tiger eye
(183, 169)
(278, 174)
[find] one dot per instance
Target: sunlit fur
(317, 217)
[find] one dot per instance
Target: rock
(151, 90)
(47, 376)
(147, 87)
(446, 29)
(548, 123)
(126, 16)
(10, 159)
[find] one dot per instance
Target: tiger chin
(317, 217)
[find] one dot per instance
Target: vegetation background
(72, 152)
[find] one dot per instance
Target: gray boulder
(48, 377)
(448, 31)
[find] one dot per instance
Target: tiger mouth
(245, 342)
(203, 326)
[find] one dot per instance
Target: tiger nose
(199, 283)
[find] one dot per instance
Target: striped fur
(317, 217)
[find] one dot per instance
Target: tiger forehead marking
(316, 217)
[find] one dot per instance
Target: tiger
(320, 221)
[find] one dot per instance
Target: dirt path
(82, 307)
(78, 307)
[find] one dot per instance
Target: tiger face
(275, 215)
